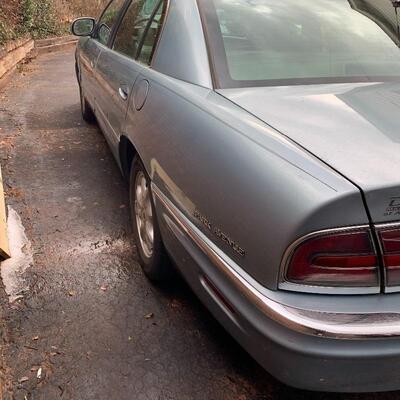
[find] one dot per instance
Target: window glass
(108, 20)
(258, 41)
(133, 26)
(150, 41)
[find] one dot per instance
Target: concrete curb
(52, 45)
(55, 40)
(56, 47)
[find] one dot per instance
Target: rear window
(268, 42)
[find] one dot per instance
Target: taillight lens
(390, 241)
(342, 259)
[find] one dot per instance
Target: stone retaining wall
(13, 53)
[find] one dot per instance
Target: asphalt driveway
(85, 324)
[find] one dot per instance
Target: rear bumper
(308, 350)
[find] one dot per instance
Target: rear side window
(152, 34)
(139, 29)
(275, 42)
(108, 20)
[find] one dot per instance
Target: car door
(93, 47)
(119, 66)
(88, 58)
(101, 40)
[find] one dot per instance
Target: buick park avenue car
(261, 140)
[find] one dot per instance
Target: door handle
(123, 94)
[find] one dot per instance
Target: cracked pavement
(90, 326)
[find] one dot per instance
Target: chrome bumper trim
(328, 325)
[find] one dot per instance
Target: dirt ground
(86, 324)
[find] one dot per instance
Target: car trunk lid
(352, 127)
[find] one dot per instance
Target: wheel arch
(127, 152)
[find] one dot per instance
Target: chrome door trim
(320, 324)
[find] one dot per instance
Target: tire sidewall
(153, 266)
(87, 112)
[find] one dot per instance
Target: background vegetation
(42, 18)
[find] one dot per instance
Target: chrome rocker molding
(328, 325)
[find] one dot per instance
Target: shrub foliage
(39, 18)
(42, 18)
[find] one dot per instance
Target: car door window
(108, 20)
(152, 34)
(134, 25)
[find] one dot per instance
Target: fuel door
(140, 92)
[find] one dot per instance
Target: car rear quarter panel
(213, 159)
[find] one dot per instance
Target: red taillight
(390, 241)
(342, 259)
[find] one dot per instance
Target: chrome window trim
(157, 45)
(328, 325)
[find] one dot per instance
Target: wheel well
(78, 75)
(127, 152)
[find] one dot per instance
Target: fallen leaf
(149, 316)
(31, 348)
(175, 304)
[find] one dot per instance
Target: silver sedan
(261, 143)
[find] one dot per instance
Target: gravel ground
(87, 324)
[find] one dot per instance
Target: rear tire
(87, 111)
(152, 255)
